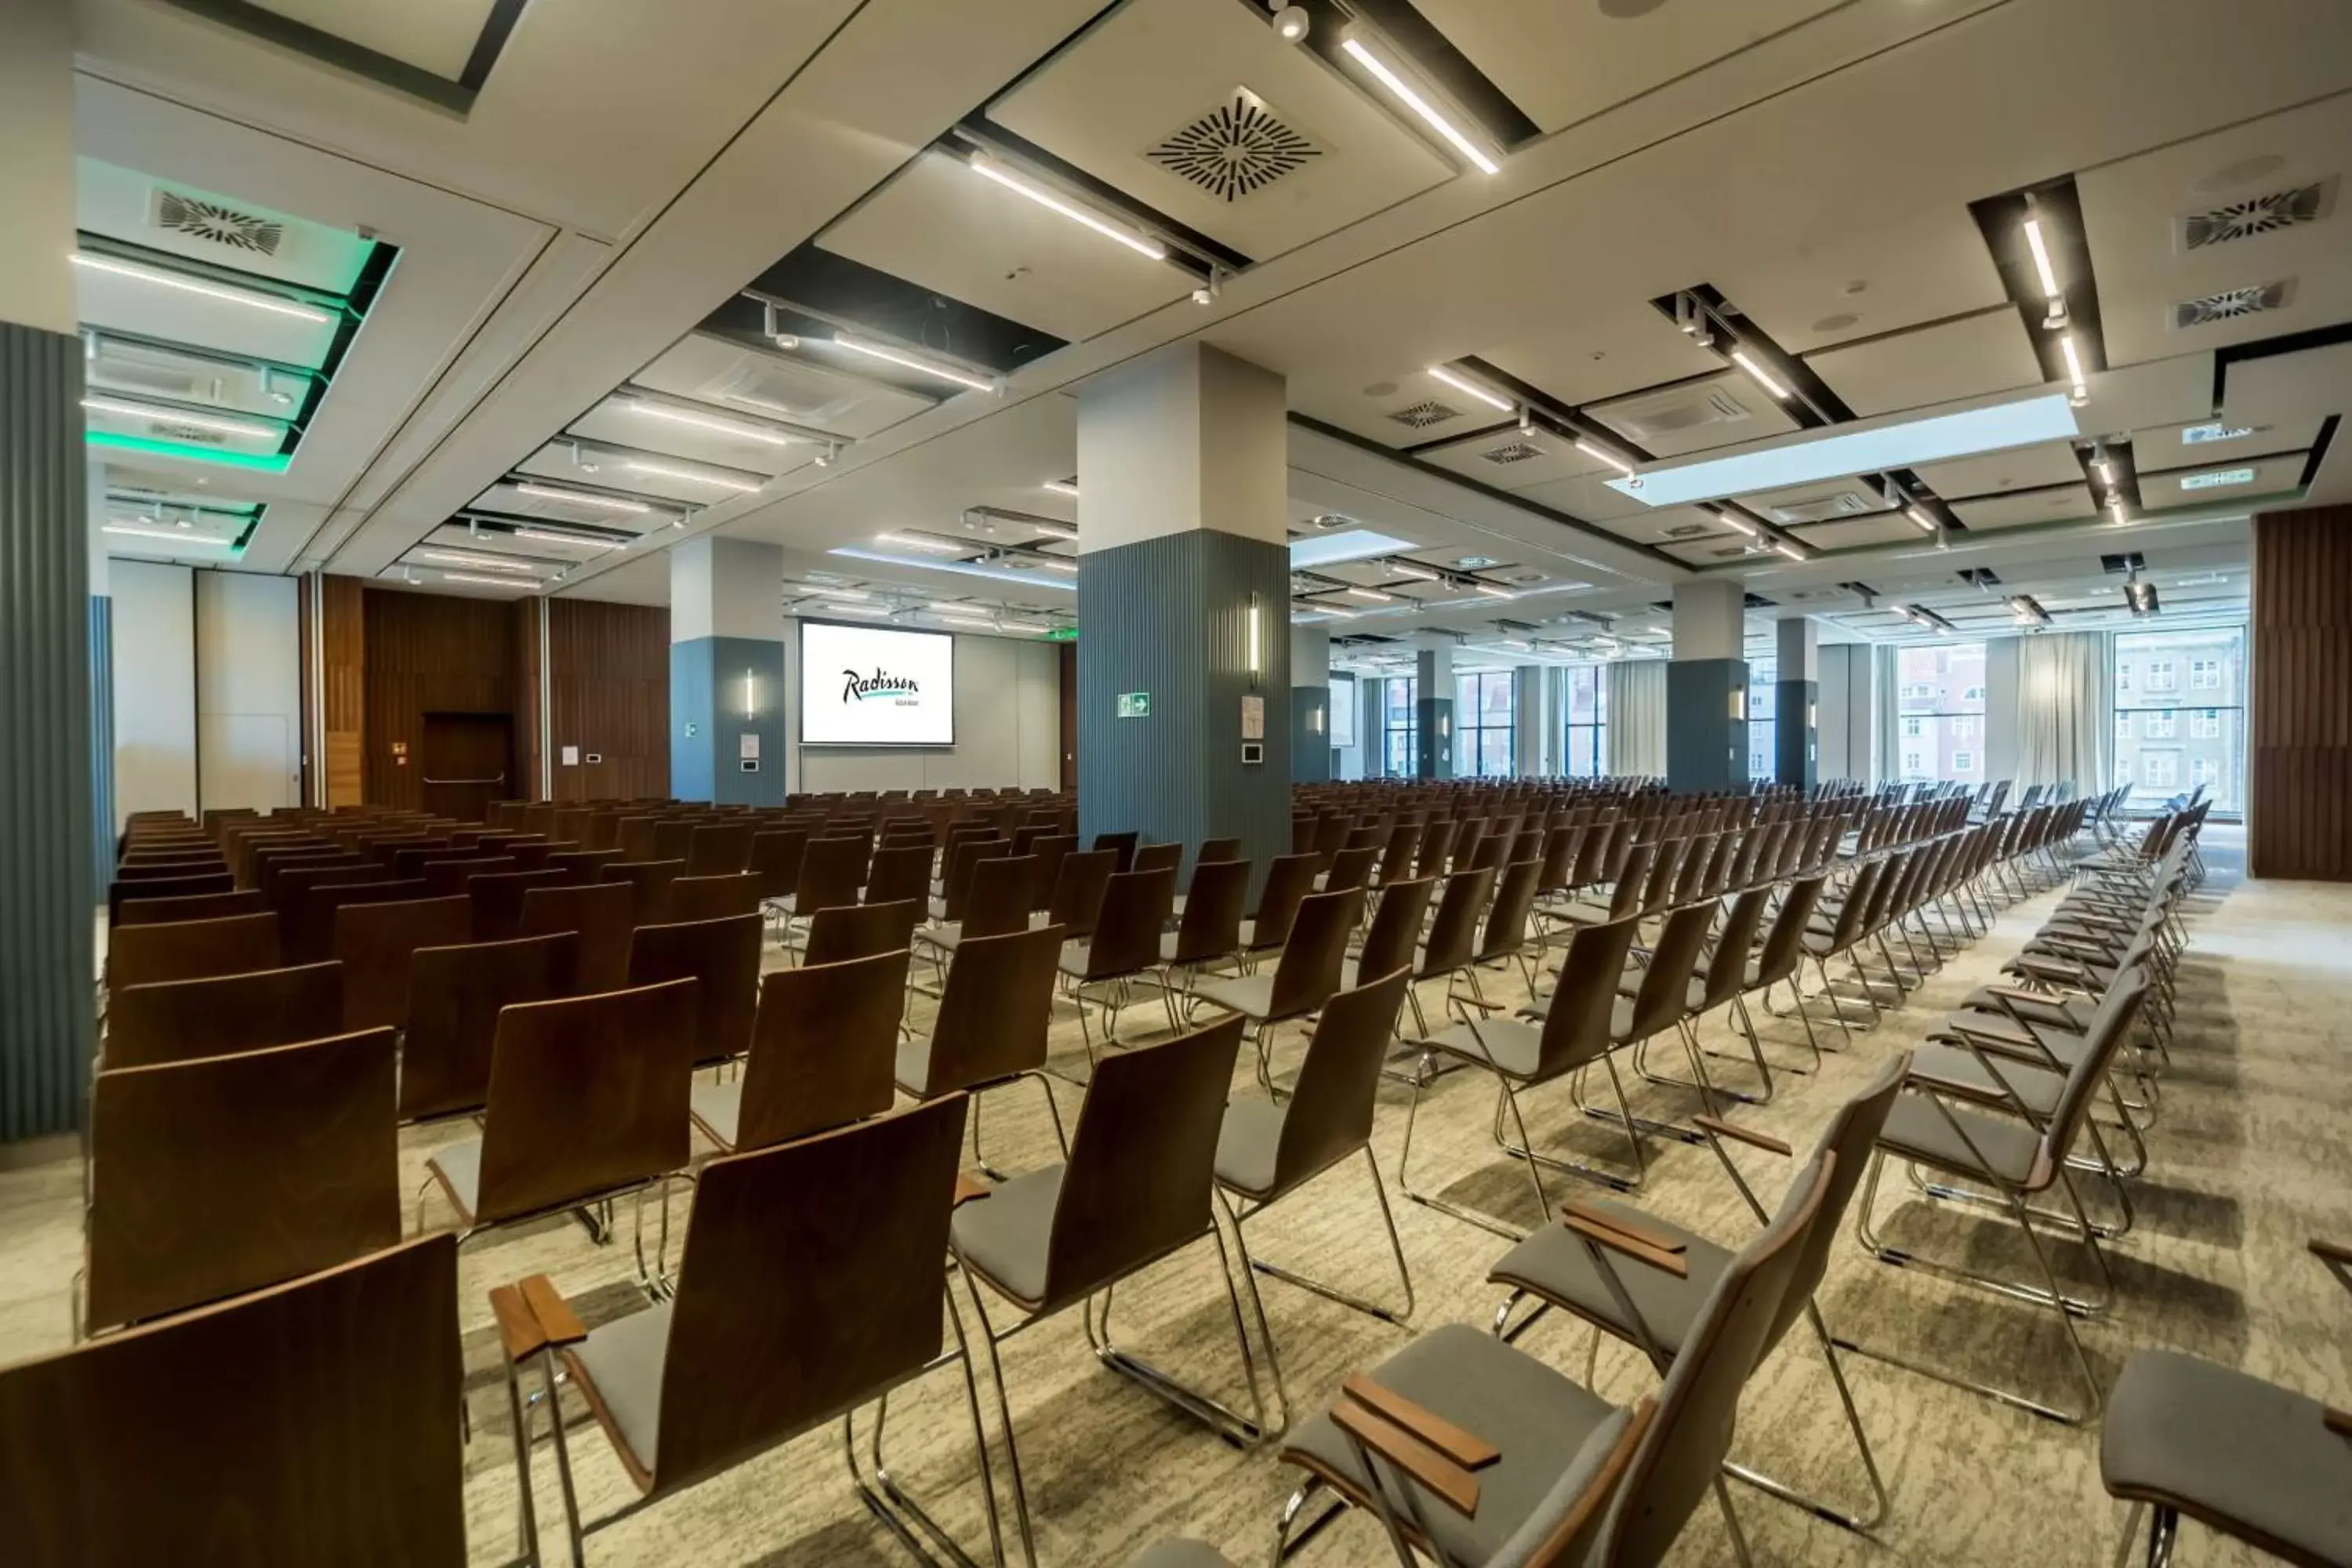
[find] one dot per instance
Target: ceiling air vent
(209, 220)
(1235, 150)
(1427, 413)
(1730, 553)
(193, 434)
(1824, 507)
(2256, 215)
(1514, 452)
(1674, 412)
(1690, 531)
(2229, 305)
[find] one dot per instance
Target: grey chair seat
(1543, 1423)
(1555, 1265)
(1249, 994)
(618, 1369)
(1514, 1046)
(1585, 913)
(718, 1110)
(2038, 1087)
(912, 1068)
(1916, 1130)
(941, 934)
(1247, 1146)
(2063, 1044)
(1181, 1554)
(459, 1167)
(2059, 1012)
(1004, 1237)
(1074, 959)
(2244, 1457)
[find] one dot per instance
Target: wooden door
(466, 762)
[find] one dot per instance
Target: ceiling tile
(2161, 491)
(2019, 469)
(2063, 503)
(1695, 415)
(1968, 357)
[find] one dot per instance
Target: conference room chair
(832, 871)
(171, 1020)
(1554, 1268)
(650, 879)
(1449, 945)
(1839, 922)
(898, 872)
(587, 1103)
(533, 854)
(1397, 854)
(455, 996)
(456, 875)
(377, 943)
(1134, 1189)
(1721, 981)
(1777, 958)
(1505, 1427)
(720, 848)
(1122, 845)
(824, 1042)
(1269, 1149)
(810, 1287)
(1622, 892)
(991, 1026)
(127, 886)
(583, 865)
(1289, 881)
(844, 931)
(708, 898)
(222, 1175)
(1991, 1124)
(1505, 932)
(603, 915)
(1081, 879)
(141, 909)
(638, 837)
(497, 901)
(723, 955)
(191, 950)
(1573, 1034)
(314, 1422)
(1215, 849)
(1392, 938)
(995, 896)
(775, 860)
(1350, 867)
(1125, 943)
(1207, 932)
(956, 862)
(309, 924)
(283, 882)
(1303, 977)
(1051, 851)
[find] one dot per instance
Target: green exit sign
(1062, 634)
(1135, 705)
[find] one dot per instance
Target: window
(1763, 721)
(1587, 722)
(1482, 725)
(2155, 753)
(1399, 732)
(1942, 702)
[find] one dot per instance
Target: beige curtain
(2065, 716)
(1637, 718)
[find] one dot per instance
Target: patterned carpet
(2251, 1157)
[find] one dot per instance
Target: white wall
(1844, 731)
(155, 689)
(248, 690)
(1008, 725)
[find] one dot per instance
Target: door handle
(500, 780)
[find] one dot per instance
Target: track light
(989, 169)
(484, 582)
(911, 362)
(1492, 592)
(1732, 518)
(1740, 357)
(1387, 77)
(1788, 549)
(1290, 23)
(1051, 530)
(163, 279)
(464, 558)
(2082, 392)
(2103, 466)
(1471, 389)
(582, 498)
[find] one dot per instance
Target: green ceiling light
(264, 463)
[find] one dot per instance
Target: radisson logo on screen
(856, 688)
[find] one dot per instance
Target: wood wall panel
(608, 694)
(429, 654)
(528, 613)
(343, 610)
(2299, 744)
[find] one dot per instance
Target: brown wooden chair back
(128, 888)
(999, 895)
(1308, 969)
(224, 1174)
(308, 929)
(719, 850)
(1330, 1115)
(724, 955)
(899, 873)
(1136, 909)
(994, 1010)
(1289, 878)
(1210, 925)
(1395, 931)
(497, 901)
(604, 916)
(708, 898)
(313, 1423)
(587, 1096)
(832, 871)
(456, 996)
(144, 911)
(443, 878)
(651, 879)
(965, 852)
(377, 945)
(775, 860)
(1216, 850)
(532, 855)
(637, 839)
(1050, 851)
(178, 1020)
(821, 1048)
(191, 950)
(844, 931)
(581, 866)
(1157, 858)
(1080, 884)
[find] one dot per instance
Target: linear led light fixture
(916, 541)
(1758, 374)
(1029, 579)
(846, 608)
(988, 169)
(688, 476)
(580, 497)
(1054, 564)
(1789, 548)
(1732, 517)
(484, 582)
(736, 428)
(1901, 444)
(546, 536)
(461, 558)
(225, 425)
(1324, 608)
(1388, 78)
(1600, 454)
(1369, 595)
(2082, 392)
(163, 279)
(2043, 270)
(1061, 488)
(911, 362)
(176, 535)
(1471, 388)
(1492, 591)
(1919, 519)
(1411, 571)
(1050, 530)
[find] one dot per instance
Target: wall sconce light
(1739, 704)
(1813, 716)
(750, 695)
(1315, 719)
(1257, 658)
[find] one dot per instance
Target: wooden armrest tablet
(1980, 1094)
(1449, 1482)
(2337, 1421)
(556, 1319)
(519, 1328)
(1657, 1239)
(2020, 993)
(968, 1187)
(1618, 1241)
(1764, 1141)
(2330, 1251)
(1464, 1449)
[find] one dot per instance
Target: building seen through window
(1941, 707)
(1587, 722)
(2180, 717)
(1481, 724)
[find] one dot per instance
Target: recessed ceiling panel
(1884, 275)
(223, 231)
(223, 384)
(548, 552)
(137, 299)
(1587, 496)
(1561, 61)
(697, 435)
(1514, 460)
(2212, 440)
(942, 226)
(1166, 99)
(1969, 357)
(644, 474)
(1722, 551)
(1695, 415)
(208, 432)
(1825, 500)
(1886, 528)
(2019, 469)
(2063, 503)
(2219, 483)
(1672, 524)
(712, 370)
(438, 37)
(1606, 353)
(574, 498)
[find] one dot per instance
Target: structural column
(48, 892)
(726, 634)
(1434, 714)
(1797, 704)
(101, 680)
(1311, 705)
(1532, 738)
(1184, 679)
(1707, 687)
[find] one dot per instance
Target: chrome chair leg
(1861, 1524)
(1242, 1431)
(1398, 1315)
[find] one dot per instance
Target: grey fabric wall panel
(1310, 734)
(102, 739)
(1795, 743)
(1170, 616)
(47, 895)
(1706, 749)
